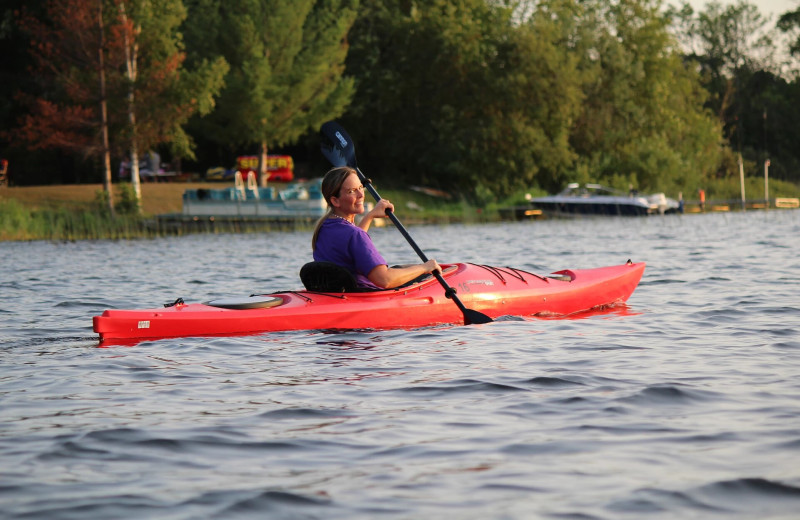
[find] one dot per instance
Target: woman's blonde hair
(331, 186)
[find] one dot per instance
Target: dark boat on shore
(595, 199)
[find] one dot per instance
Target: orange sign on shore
(279, 167)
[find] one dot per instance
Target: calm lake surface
(683, 404)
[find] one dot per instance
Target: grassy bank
(157, 197)
(77, 212)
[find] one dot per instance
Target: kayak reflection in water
(339, 240)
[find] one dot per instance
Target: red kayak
(494, 291)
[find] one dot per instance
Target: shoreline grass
(78, 212)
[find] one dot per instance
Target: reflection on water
(680, 404)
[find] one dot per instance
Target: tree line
(478, 97)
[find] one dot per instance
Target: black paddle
(339, 149)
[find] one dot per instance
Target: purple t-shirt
(348, 245)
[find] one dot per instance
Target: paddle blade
(336, 145)
(472, 317)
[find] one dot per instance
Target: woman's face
(350, 200)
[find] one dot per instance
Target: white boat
(301, 200)
(595, 199)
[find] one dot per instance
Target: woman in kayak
(338, 239)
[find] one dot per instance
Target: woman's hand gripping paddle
(339, 149)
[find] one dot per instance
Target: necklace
(334, 215)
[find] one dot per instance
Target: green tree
(111, 76)
(461, 95)
(789, 24)
(769, 111)
(643, 123)
(160, 94)
(488, 97)
(70, 109)
(286, 67)
(724, 40)
(734, 48)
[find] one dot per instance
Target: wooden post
(741, 180)
(766, 184)
(104, 113)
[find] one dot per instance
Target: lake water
(683, 404)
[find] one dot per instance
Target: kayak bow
(495, 291)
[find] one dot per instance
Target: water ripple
(682, 403)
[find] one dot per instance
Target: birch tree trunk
(131, 53)
(106, 153)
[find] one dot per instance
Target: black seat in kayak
(329, 277)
